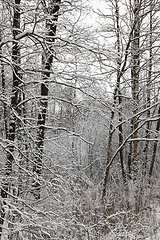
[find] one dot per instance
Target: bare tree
(135, 82)
(15, 99)
(52, 11)
(154, 147)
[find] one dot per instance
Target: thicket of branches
(80, 119)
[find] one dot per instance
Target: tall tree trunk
(130, 152)
(117, 93)
(73, 116)
(2, 73)
(2, 214)
(51, 25)
(154, 148)
(135, 95)
(108, 155)
(12, 121)
(135, 84)
(148, 89)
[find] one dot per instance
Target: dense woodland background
(80, 119)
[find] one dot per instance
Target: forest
(79, 119)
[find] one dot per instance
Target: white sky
(97, 6)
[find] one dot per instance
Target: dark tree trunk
(51, 25)
(5, 115)
(14, 101)
(117, 93)
(147, 135)
(135, 95)
(135, 84)
(154, 148)
(130, 153)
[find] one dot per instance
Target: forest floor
(155, 233)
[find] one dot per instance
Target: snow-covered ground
(155, 233)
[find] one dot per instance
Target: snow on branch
(18, 37)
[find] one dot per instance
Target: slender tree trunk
(3, 92)
(51, 25)
(129, 163)
(108, 155)
(12, 122)
(130, 152)
(119, 93)
(154, 148)
(135, 84)
(73, 117)
(3, 195)
(135, 95)
(116, 93)
(147, 135)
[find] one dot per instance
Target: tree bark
(12, 121)
(154, 148)
(5, 115)
(52, 12)
(148, 89)
(117, 93)
(135, 84)
(135, 95)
